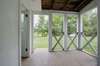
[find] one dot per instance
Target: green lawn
(42, 42)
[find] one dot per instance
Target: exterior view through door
(40, 31)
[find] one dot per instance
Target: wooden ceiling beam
(66, 2)
(52, 3)
(65, 5)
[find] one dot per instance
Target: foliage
(72, 24)
(42, 26)
(90, 23)
(57, 25)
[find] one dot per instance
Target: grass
(42, 42)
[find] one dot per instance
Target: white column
(79, 30)
(25, 46)
(19, 34)
(98, 32)
(31, 33)
(9, 35)
(65, 31)
(50, 32)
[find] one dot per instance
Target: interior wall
(34, 5)
(8, 32)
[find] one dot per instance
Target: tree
(42, 27)
(72, 24)
(90, 23)
(57, 25)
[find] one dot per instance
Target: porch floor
(41, 57)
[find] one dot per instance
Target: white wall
(34, 5)
(89, 7)
(8, 32)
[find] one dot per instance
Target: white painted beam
(79, 30)
(98, 32)
(65, 31)
(54, 11)
(50, 32)
(31, 33)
